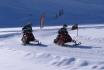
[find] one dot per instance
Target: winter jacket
(63, 31)
(27, 28)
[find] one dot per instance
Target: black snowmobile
(63, 37)
(28, 35)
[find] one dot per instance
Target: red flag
(42, 20)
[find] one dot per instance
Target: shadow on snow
(80, 46)
(40, 45)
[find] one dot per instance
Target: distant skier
(63, 36)
(27, 34)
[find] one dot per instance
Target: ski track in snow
(48, 56)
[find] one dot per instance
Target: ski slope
(48, 56)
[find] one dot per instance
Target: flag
(61, 12)
(42, 20)
(74, 27)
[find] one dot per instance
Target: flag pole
(77, 32)
(42, 20)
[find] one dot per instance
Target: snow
(48, 56)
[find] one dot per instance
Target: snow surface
(48, 56)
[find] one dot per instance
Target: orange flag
(42, 20)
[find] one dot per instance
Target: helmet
(64, 25)
(29, 23)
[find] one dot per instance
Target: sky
(16, 13)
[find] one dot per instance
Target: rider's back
(63, 31)
(27, 28)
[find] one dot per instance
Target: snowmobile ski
(33, 43)
(76, 44)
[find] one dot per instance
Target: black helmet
(29, 23)
(64, 25)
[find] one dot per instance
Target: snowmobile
(28, 37)
(62, 39)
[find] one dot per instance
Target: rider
(27, 30)
(63, 31)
